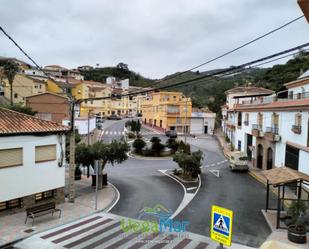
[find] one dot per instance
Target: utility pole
(185, 129)
(72, 156)
(88, 135)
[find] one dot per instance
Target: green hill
(210, 92)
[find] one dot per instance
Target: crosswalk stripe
(201, 245)
(164, 242)
(144, 241)
(123, 241)
(93, 235)
(69, 236)
(49, 235)
(182, 244)
(103, 240)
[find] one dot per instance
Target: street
(141, 184)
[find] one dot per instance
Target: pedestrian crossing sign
(221, 225)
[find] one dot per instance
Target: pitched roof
(16, 123)
(48, 93)
(282, 175)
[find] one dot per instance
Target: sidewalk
(12, 227)
(104, 230)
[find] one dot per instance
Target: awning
(282, 175)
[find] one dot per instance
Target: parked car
(114, 117)
(171, 134)
(239, 161)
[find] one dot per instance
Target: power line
(241, 67)
(233, 50)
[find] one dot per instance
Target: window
(45, 153)
(35, 86)
(10, 204)
(11, 157)
(239, 145)
(298, 119)
(15, 95)
(44, 195)
(260, 120)
(40, 86)
(239, 120)
(246, 122)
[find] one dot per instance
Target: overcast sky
(154, 37)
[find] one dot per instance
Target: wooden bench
(40, 210)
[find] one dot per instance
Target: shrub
(147, 152)
(156, 146)
(138, 145)
(184, 147)
(189, 163)
(173, 144)
(131, 135)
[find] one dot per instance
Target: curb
(115, 199)
(130, 154)
(183, 181)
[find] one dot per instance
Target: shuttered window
(45, 153)
(11, 157)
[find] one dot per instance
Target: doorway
(205, 129)
(259, 162)
(269, 158)
(249, 146)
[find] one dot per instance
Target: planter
(78, 177)
(102, 180)
(297, 236)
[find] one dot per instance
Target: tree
(156, 146)
(20, 108)
(84, 156)
(114, 152)
(10, 69)
(122, 66)
(189, 163)
(173, 144)
(184, 147)
(138, 145)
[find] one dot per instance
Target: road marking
(216, 172)
(191, 188)
(187, 198)
(213, 165)
(118, 197)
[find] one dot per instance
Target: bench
(40, 210)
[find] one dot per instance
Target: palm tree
(10, 68)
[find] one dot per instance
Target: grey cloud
(154, 37)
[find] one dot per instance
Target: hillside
(210, 92)
(100, 74)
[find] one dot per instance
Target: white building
(273, 131)
(32, 153)
(82, 124)
(121, 84)
(202, 123)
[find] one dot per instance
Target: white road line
(118, 197)
(191, 188)
(216, 172)
(187, 198)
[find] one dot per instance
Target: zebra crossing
(110, 132)
(103, 230)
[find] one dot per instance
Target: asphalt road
(141, 185)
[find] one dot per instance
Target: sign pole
(96, 183)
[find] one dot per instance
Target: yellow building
(167, 111)
(24, 86)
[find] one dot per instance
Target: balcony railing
(296, 129)
(272, 129)
(256, 127)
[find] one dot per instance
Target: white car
(239, 161)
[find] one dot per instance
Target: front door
(269, 158)
(249, 147)
(291, 157)
(205, 129)
(259, 162)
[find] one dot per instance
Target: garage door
(197, 126)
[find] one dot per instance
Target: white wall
(82, 125)
(30, 178)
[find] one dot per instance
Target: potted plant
(296, 224)
(78, 173)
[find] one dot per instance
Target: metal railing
(256, 127)
(272, 129)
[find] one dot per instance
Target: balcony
(296, 129)
(172, 113)
(271, 133)
(257, 130)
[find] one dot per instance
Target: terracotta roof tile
(12, 122)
